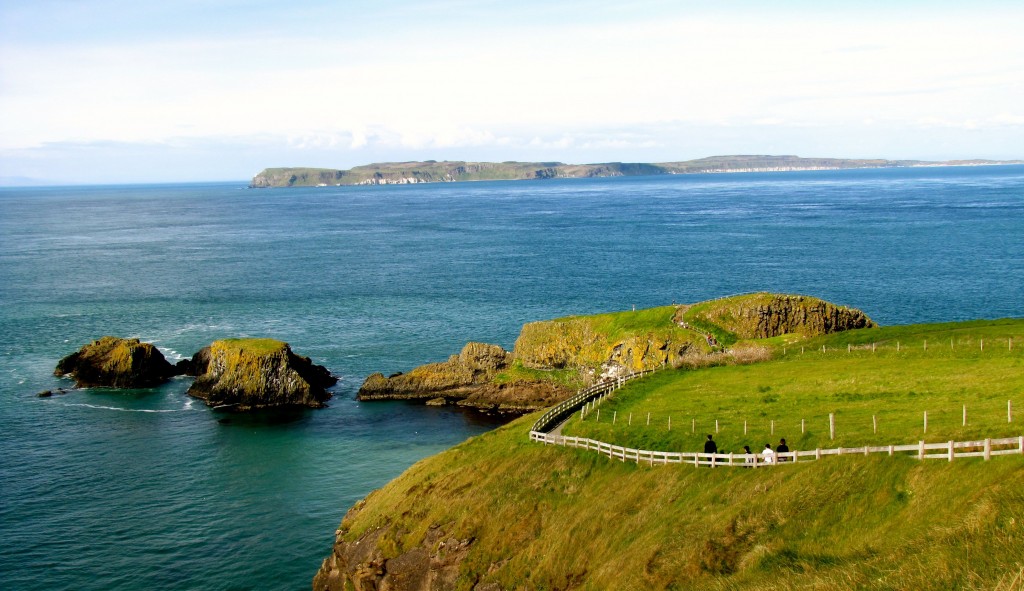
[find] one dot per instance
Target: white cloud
(546, 86)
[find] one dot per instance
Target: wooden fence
(948, 450)
(563, 410)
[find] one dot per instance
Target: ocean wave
(117, 408)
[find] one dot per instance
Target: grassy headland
(501, 512)
(431, 171)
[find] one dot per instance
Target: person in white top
(767, 455)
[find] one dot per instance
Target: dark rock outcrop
(248, 374)
(116, 363)
(195, 366)
(469, 380)
(475, 365)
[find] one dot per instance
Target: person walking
(749, 459)
(710, 447)
(782, 449)
(767, 455)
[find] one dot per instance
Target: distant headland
(450, 171)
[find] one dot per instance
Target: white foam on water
(100, 407)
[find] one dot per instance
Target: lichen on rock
(116, 363)
(475, 365)
(248, 374)
(766, 315)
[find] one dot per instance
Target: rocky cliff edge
(552, 358)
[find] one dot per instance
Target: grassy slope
(895, 386)
(555, 518)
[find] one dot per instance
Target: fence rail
(563, 410)
(985, 448)
(947, 451)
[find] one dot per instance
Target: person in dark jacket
(781, 449)
(710, 447)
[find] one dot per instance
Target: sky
(123, 91)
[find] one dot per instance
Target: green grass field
(555, 518)
(887, 374)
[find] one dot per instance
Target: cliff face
(431, 171)
(575, 343)
(297, 177)
(362, 565)
(116, 363)
(248, 374)
(765, 315)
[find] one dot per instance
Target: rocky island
(552, 358)
(240, 374)
(432, 171)
(116, 363)
(249, 374)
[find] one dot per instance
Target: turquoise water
(150, 490)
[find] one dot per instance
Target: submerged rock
(117, 363)
(249, 374)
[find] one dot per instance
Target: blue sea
(148, 489)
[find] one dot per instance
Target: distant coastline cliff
(431, 171)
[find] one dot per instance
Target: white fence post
(716, 425)
(965, 415)
(831, 426)
(874, 424)
(950, 450)
(925, 421)
(988, 449)
(920, 451)
(648, 419)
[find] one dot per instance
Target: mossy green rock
(632, 341)
(766, 315)
(249, 374)
(116, 363)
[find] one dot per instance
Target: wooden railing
(947, 450)
(563, 410)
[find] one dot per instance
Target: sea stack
(116, 363)
(251, 374)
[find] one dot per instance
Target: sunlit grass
(863, 387)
